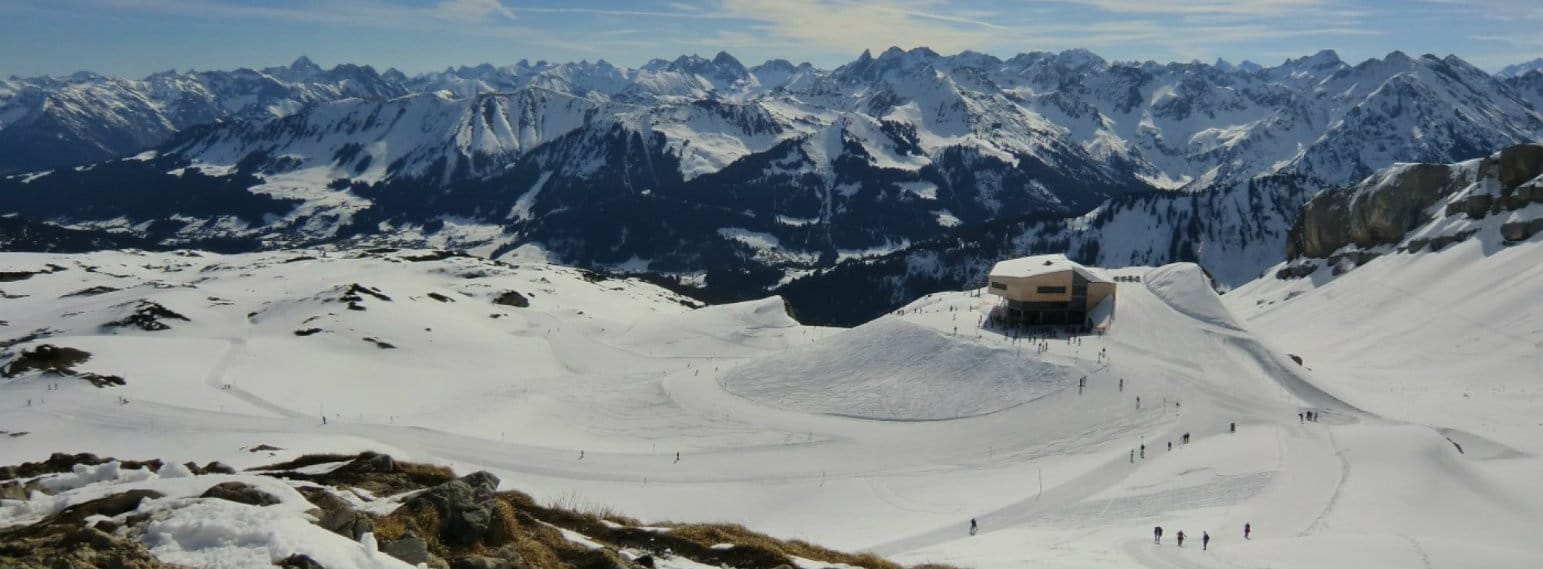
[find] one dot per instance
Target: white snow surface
(887, 437)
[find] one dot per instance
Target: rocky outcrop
(464, 507)
(241, 493)
(1384, 208)
(1380, 210)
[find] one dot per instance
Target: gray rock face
(465, 507)
(1382, 209)
(349, 523)
(1384, 213)
(410, 549)
(1518, 164)
(1521, 230)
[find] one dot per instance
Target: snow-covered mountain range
(741, 178)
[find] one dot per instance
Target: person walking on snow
(1247, 529)
(1143, 451)
(1157, 535)
(973, 528)
(1181, 538)
(1205, 541)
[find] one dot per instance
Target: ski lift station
(1051, 290)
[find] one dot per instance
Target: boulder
(349, 523)
(218, 467)
(1518, 164)
(109, 506)
(512, 298)
(411, 549)
(1521, 230)
(241, 493)
(464, 507)
(1476, 207)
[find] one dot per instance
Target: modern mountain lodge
(1048, 290)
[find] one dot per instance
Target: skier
(1132, 456)
(1181, 538)
(1143, 451)
(1157, 535)
(677, 456)
(1138, 402)
(1170, 446)
(1205, 541)
(1233, 428)
(973, 528)
(581, 454)
(1300, 418)
(1247, 529)
(1122, 385)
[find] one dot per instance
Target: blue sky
(137, 37)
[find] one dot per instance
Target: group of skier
(1308, 416)
(1205, 536)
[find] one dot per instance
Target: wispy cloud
(855, 26)
(472, 11)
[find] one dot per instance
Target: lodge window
(1052, 290)
(998, 286)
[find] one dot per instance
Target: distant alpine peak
(305, 64)
(1520, 69)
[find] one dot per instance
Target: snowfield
(888, 437)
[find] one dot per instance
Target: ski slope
(887, 437)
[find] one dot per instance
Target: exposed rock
(1521, 230)
(1379, 210)
(263, 447)
(348, 522)
(109, 506)
(1519, 164)
(91, 291)
(241, 493)
(147, 316)
(411, 549)
(307, 331)
(464, 507)
(63, 462)
(379, 343)
(217, 467)
(299, 561)
(512, 298)
(46, 357)
(1476, 207)
(440, 297)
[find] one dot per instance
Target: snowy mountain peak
(304, 64)
(1520, 69)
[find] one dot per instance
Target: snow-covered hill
(584, 390)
